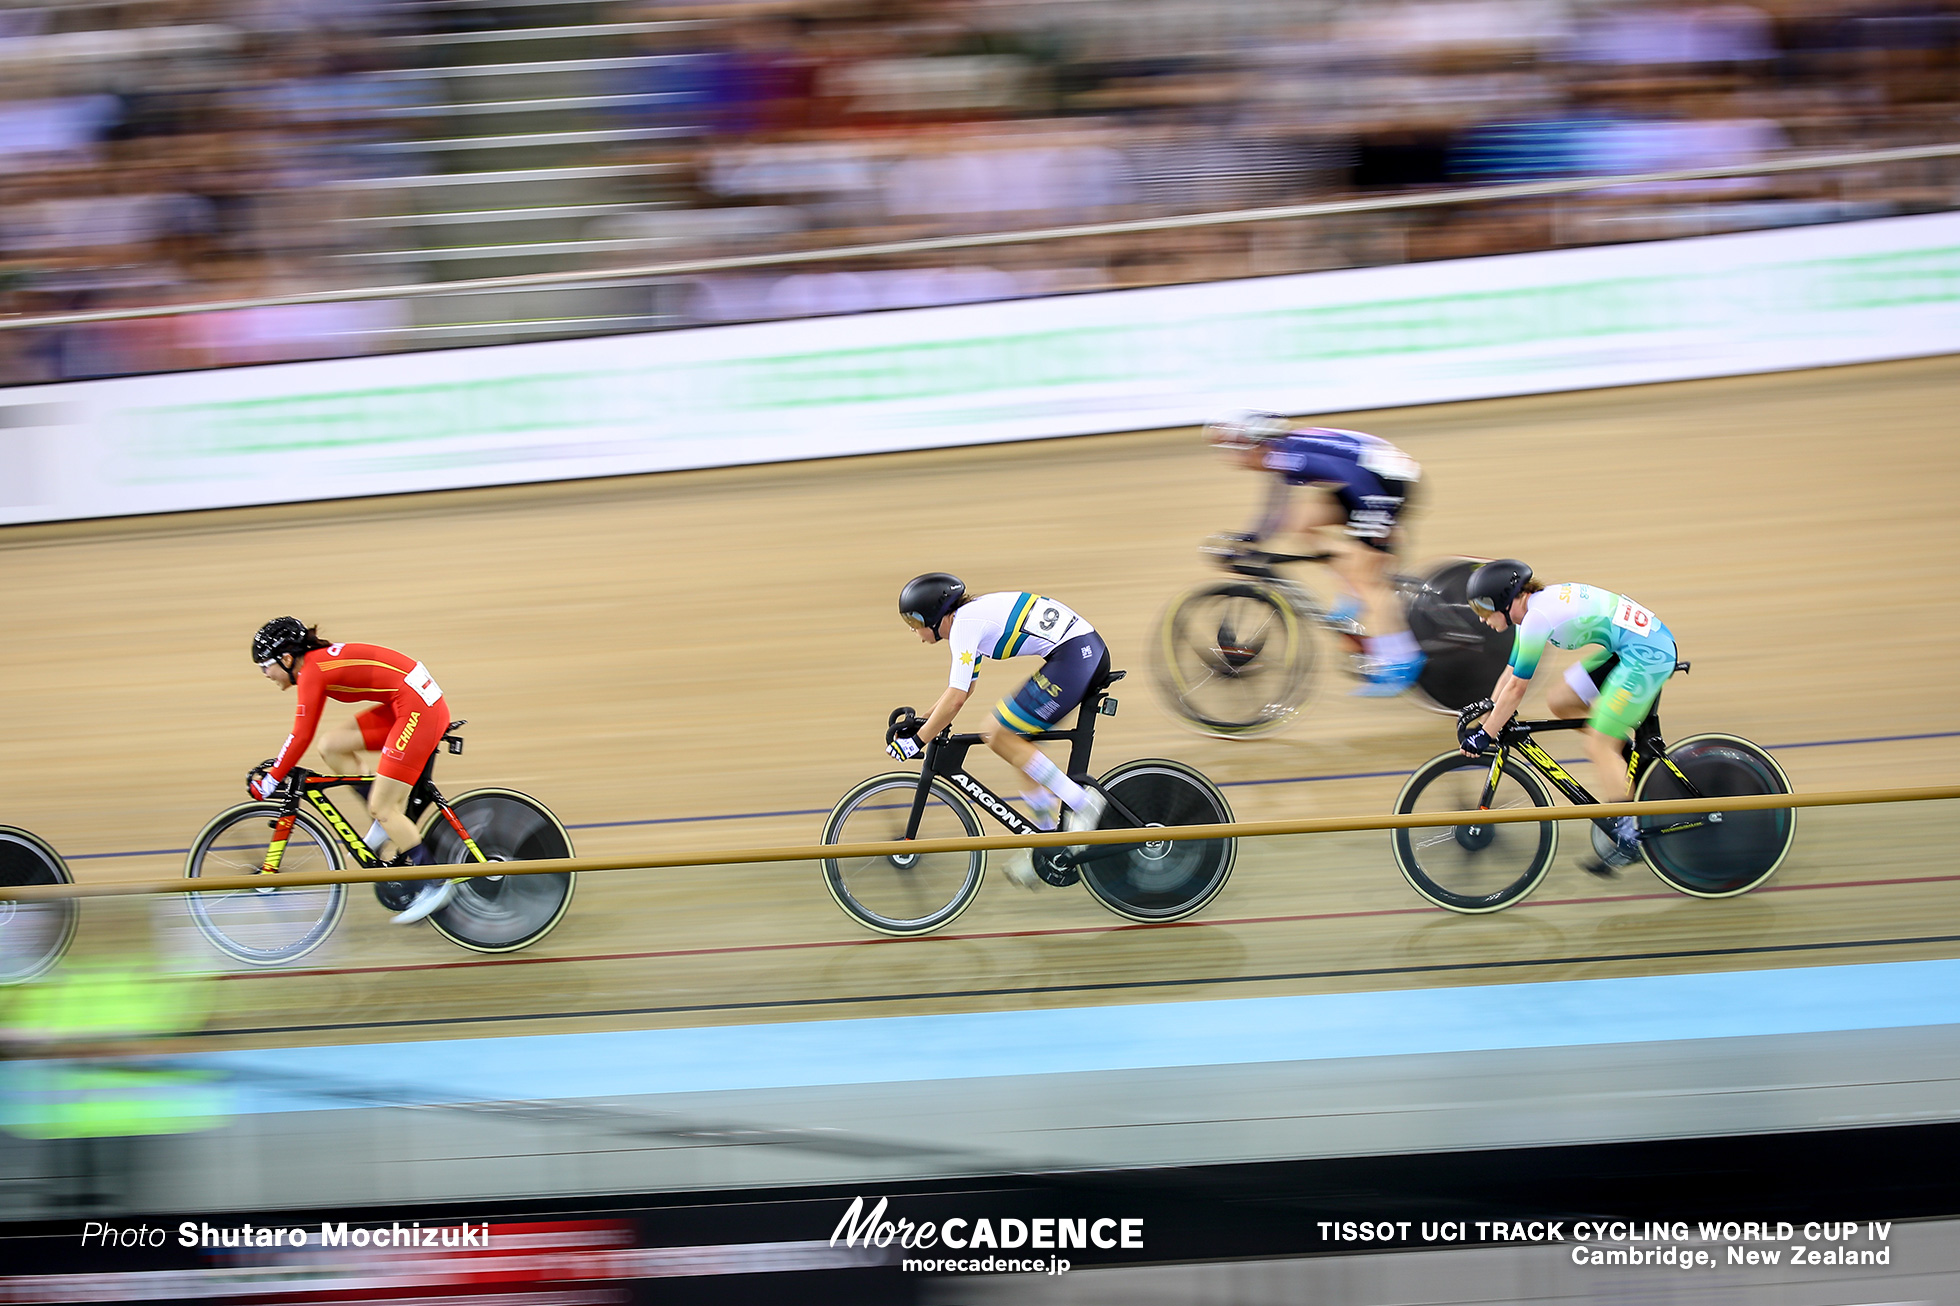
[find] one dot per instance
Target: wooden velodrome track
(705, 660)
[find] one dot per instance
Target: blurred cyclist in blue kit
(1363, 483)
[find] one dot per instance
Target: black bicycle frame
(1647, 750)
(1455, 623)
(311, 787)
(946, 757)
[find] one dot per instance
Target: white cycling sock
(375, 837)
(1043, 771)
(1046, 807)
(1399, 647)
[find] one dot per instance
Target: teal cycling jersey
(1571, 616)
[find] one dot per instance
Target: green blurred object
(70, 1072)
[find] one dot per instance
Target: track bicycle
(1481, 868)
(916, 893)
(299, 829)
(33, 935)
(1235, 657)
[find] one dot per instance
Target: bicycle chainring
(395, 895)
(1051, 870)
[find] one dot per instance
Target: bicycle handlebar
(1240, 556)
(902, 721)
(1469, 715)
(1517, 730)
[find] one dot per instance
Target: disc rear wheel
(1724, 853)
(1160, 880)
(1464, 656)
(501, 913)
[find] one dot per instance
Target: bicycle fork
(282, 831)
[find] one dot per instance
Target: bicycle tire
(1215, 663)
(902, 896)
(1473, 868)
(1464, 656)
(33, 935)
(501, 913)
(1163, 881)
(1720, 859)
(270, 926)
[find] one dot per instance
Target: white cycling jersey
(1005, 624)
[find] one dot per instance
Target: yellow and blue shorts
(1058, 688)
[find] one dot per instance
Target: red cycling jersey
(369, 673)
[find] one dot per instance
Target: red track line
(1031, 934)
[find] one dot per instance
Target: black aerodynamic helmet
(925, 600)
(278, 637)
(1496, 585)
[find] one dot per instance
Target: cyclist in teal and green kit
(1630, 655)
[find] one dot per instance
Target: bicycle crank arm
(1711, 818)
(1095, 853)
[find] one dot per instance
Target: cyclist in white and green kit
(1630, 655)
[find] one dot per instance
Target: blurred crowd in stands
(165, 151)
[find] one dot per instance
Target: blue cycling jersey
(1355, 462)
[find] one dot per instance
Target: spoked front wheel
(902, 893)
(1464, 656)
(274, 924)
(1473, 868)
(1160, 880)
(33, 935)
(501, 913)
(1720, 854)
(1233, 658)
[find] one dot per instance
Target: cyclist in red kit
(404, 727)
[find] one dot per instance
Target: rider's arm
(312, 691)
(942, 714)
(1278, 494)
(1527, 647)
(1505, 700)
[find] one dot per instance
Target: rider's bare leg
(1018, 753)
(1608, 756)
(1365, 571)
(1611, 764)
(345, 753)
(388, 801)
(1563, 702)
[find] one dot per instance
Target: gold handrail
(815, 852)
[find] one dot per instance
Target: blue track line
(1224, 784)
(1074, 1040)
